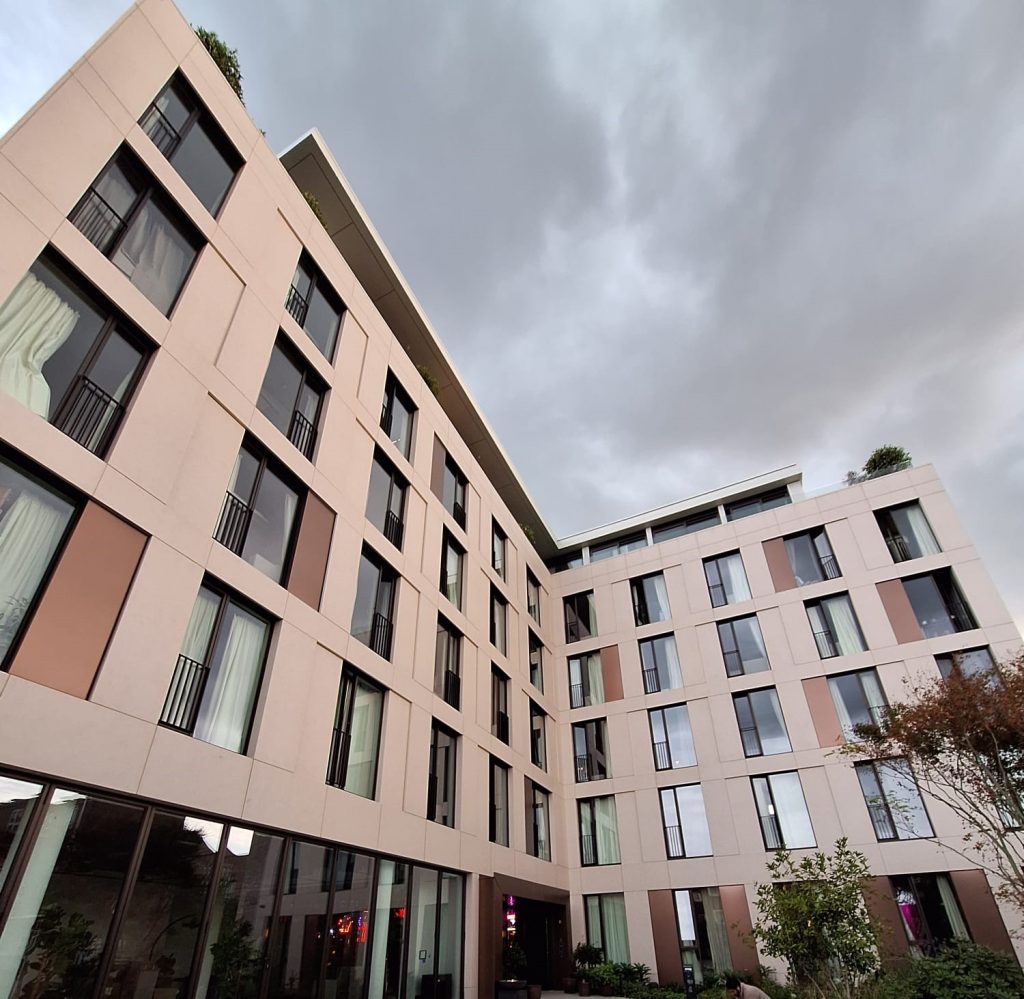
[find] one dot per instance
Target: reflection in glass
(348, 929)
(422, 930)
(17, 803)
(389, 929)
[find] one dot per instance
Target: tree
(814, 917)
(887, 458)
(963, 736)
(225, 58)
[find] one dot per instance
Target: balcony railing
(641, 613)
(160, 130)
(751, 742)
(674, 841)
(501, 726)
(533, 610)
(652, 682)
(826, 644)
(185, 695)
(452, 688)
(302, 434)
(662, 756)
(577, 631)
(459, 513)
(337, 767)
(89, 415)
(394, 529)
(453, 588)
(733, 663)
(386, 411)
(588, 850)
(297, 305)
(577, 695)
(582, 769)
(898, 548)
(771, 832)
(97, 221)
(719, 598)
(432, 797)
(234, 523)
(830, 567)
(380, 636)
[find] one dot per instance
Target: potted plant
(603, 979)
(584, 957)
(512, 984)
(534, 991)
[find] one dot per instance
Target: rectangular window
(68, 356)
(373, 612)
(727, 580)
(742, 646)
(499, 705)
(606, 925)
(315, 305)
(580, 617)
(451, 569)
(572, 561)
(448, 663)
(536, 662)
(498, 826)
(782, 811)
(538, 821)
(186, 133)
(396, 415)
(130, 220)
(659, 660)
(835, 626)
(385, 499)
(893, 800)
(859, 700)
(499, 543)
(453, 491)
(969, 662)
(34, 521)
(441, 782)
(619, 547)
(687, 525)
(599, 831)
(291, 396)
(811, 558)
(586, 680)
(685, 822)
(499, 622)
(938, 604)
(538, 737)
(532, 596)
(259, 512)
(907, 532)
(762, 727)
(929, 910)
(650, 599)
(738, 509)
(703, 932)
(671, 738)
(355, 743)
(590, 742)
(217, 678)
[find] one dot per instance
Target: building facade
(299, 696)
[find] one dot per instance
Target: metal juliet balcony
(394, 529)
(674, 841)
(577, 696)
(233, 524)
(827, 648)
(89, 415)
(652, 682)
(185, 695)
(501, 726)
(302, 434)
(96, 219)
(164, 135)
(662, 756)
(380, 636)
(452, 688)
(898, 548)
(297, 305)
(459, 513)
(829, 567)
(588, 850)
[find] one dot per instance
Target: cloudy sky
(671, 245)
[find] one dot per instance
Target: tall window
(893, 800)
(938, 604)
(742, 646)
(532, 596)
(183, 130)
(385, 499)
(441, 781)
(703, 932)
(618, 547)
(217, 678)
(762, 727)
(67, 356)
(499, 704)
(34, 520)
(451, 569)
(448, 663)
(685, 822)
(727, 580)
(929, 910)
(650, 599)
(835, 626)
(498, 824)
(590, 742)
(536, 662)
(858, 699)
(538, 821)
(315, 305)
(686, 525)
(499, 622)
(355, 744)
(599, 831)
(291, 396)
(538, 737)
(453, 490)
(375, 600)
(969, 662)
(907, 532)
(499, 546)
(660, 663)
(671, 738)
(580, 616)
(586, 680)
(129, 219)
(738, 509)
(606, 925)
(259, 512)
(782, 811)
(396, 415)
(811, 558)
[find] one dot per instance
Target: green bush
(960, 970)
(888, 457)
(225, 58)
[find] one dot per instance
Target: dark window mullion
(199, 950)
(324, 949)
(287, 843)
(25, 847)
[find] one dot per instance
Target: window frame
(308, 378)
(586, 691)
(533, 590)
(393, 391)
(497, 765)
(667, 742)
(499, 551)
(535, 647)
(497, 600)
(729, 626)
(682, 854)
(740, 697)
(894, 540)
(571, 602)
(825, 561)
(652, 674)
(580, 835)
(449, 547)
(393, 527)
(595, 763)
(770, 499)
(296, 302)
(712, 563)
(338, 763)
(538, 736)
(875, 711)
(384, 568)
(460, 487)
(500, 720)
(540, 799)
(958, 610)
(448, 663)
(833, 646)
(882, 802)
(435, 783)
(775, 812)
(641, 603)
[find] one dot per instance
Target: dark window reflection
(389, 930)
(348, 932)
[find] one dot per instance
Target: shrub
(225, 58)
(960, 970)
(314, 207)
(428, 376)
(888, 457)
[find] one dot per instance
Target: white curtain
(595, 679)
(734, 578)
(662, 594)
(844, 624)
(155, 257)
(846, 722)
(921, 530)
(200, 625)
(791, 811)
(718, 937)
(362, 754)
(607, 830)
(949, 903)
(616, 937)
(671, 673)
(693, 820)
(34, 323)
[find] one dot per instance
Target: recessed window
(538, 737)
(685, 822)
(659, 660)
(498, 794)
(686, 525)
(538, 821)
(762, 727)
(703, 932)
(453, 490)
(571, 561)
(969, 662)
(215, 683)
(608, 549)
(499, 550)
(355, 743)
(606, 925)
(590, 745)
(586, 680)
(782, 811)
(536, 662)
(671, 738)
(499, 622)
(499, 705)
(184, 131)
(907, 532)
(599, 831)
(893, 800)
(315, 305)
(859, 700)
(580, 617)
(650, 599)
(727, 580)
(373, 612)
(396, 415)
(441, 781)
(929, 910)
(34, 521)
(738, 509)
(810, 557)
(835, 626)
(259, 512)
(130, 220)
(451, 569)
(291, 397)
(448, 663)
(938, 604)
(532, 596)
(742, 646)
(66, 355)
(385, 499)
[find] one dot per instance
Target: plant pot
(511, 988)
(584, 987)
(534, 991)
(569, 984)
(607, 990)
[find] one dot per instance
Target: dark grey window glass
(835, 626)
(498, 823)
(586, 680)
(739, 509)
(859, 700)
(727, 579)
(907, 532)
(580, 616)
(762, 727)
(782, 811)
(441, 782)
(499, 546)
(290, 397)
(970, 662)
(532, 597)
(396, 415)
(451, 570)
(599, 831)
(687, 525)
(811, 557)
(536, 662)
(538, 821)
(702, 931)
(938, 604)
(385, 499)
(499, 705)
(685, 822)
(893, 800)
(572, 561)
(372, 614)
(742, 646)
(348, 950)
(671, 738)
(315, 306)
(499, 622)
(659, 660)
(355, 742)
(453, 491)
(590, 748)
(538, 737)
(619, 547)
(448, 663)
(650, 599)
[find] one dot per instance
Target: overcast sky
(671, 245)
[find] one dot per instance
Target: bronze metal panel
(900, 613)
(312, 547)
(823, 712)
(778, 564)
(740, 929)
(893, 937)
(980, 910)
(666, 936)
(611, 673)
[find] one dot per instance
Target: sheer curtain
(155, 257)
(791, 811)
(661, 592)
(949, 903)
(673, 673)
(200, 625)
(735, 578)
(844, 624)
(362, 754)
(34, 323)
(718, 938)
(595, 679)
(616, 937)
(922, 531)
(607, 830)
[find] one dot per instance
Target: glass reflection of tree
(64, 954)
(234, 960)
